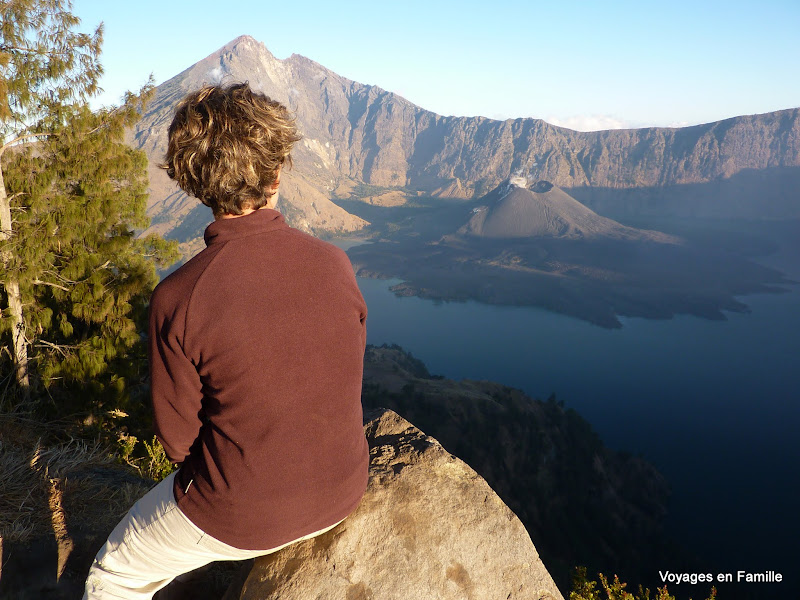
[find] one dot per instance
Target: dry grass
(45, 486)
(75, 493)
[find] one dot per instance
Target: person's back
(256, 357)
(272, 322)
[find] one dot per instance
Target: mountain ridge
(362, 134)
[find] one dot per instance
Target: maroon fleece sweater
(256, 359)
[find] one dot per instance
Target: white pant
(154, 543)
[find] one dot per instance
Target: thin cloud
(589, 122)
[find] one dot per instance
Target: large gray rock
(428, 527)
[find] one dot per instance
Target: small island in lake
(535, 245)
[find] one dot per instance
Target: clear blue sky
(580, 64)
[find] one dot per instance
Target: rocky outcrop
(581, 502)
(427, 527)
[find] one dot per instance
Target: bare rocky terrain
(424, 189)
(515, 210)
(361, 141)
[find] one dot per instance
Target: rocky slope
(516, 210)
(582, 503)
(357, 134)
(304, 194)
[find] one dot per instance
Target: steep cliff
(361, 134)
(582, 503)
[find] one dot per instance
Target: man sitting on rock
(256, 358)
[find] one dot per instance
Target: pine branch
(60, 348)
(55, 285)
(20, 138)
(28, 50)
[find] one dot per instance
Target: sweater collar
(259, 221)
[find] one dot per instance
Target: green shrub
(585, 589)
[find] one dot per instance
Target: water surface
(713, 404)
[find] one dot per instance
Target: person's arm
(352, 283)
(176, 390)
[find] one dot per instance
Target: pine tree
(43, 63)
(76, 278)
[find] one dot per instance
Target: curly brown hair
(226, 146)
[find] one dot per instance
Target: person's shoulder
(179, 284)
(313, 246)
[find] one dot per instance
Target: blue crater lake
(713, 404)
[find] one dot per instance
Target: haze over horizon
(599, 67)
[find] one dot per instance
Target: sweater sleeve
(350, 276)
(176, 390)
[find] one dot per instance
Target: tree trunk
(11, 285)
